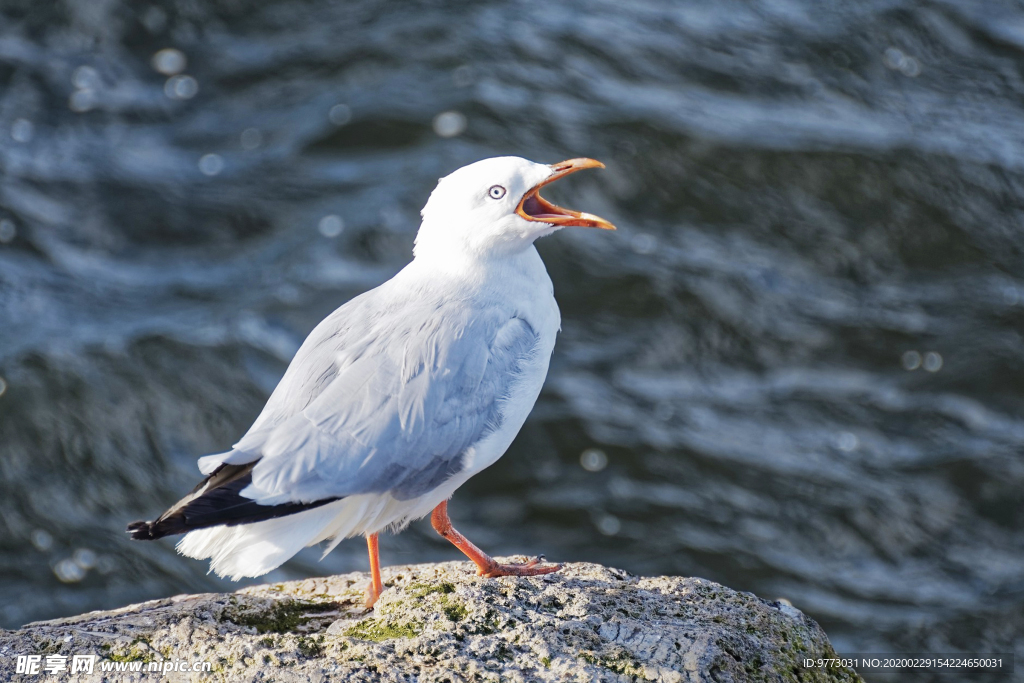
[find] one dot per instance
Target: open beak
(533, 207)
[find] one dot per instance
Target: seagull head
(493, 207)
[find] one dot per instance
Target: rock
(440, 622)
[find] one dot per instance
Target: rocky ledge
(439, 622)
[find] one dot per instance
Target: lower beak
(533, 207)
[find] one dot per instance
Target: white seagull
(399, 396)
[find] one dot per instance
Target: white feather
(250, 550)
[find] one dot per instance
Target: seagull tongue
(536, 208)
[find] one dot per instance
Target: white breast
(525, 284)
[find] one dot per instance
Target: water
(797, 368)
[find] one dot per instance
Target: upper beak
(533, 207)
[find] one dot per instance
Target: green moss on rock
(311, 647)
(619, 662)
(379, 631)
(422, 590)
(286, 616)
(138, 651)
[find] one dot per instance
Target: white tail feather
(255, 549)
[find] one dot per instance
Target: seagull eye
(496, 192)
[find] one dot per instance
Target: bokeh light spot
(449, 124)
(911, 360)
(932, 362)
(251, 138)
(340, 114)
(22, 130)
(42, 540)
(82, 100)
(68, 571)
(895, 59)
(181, 87)
(211, 164)
(84, 558)
(331, 225)
(169, 61)
(85, 78)
(609, 525)
(593, 460)
(847, 441)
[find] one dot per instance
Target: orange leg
(375, 588)
(485, 564)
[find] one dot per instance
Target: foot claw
(540, 559)
(534, 567)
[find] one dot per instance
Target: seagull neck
(462, 265)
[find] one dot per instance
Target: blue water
(796, 369)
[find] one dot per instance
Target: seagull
(399, 396)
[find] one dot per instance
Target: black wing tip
(216, 501)
(165, 526)
(141, 531)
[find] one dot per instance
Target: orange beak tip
(596, 221)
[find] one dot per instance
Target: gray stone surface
(440, 622)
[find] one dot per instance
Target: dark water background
(800, 358)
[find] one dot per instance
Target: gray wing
(388, 405)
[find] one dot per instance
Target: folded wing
(392, 406)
